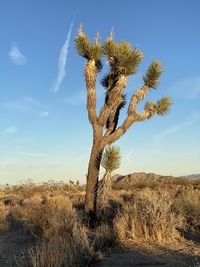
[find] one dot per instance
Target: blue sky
(44, 130)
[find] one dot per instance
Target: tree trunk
(92, 181)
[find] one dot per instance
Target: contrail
(62, 61)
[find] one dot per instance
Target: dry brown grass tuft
(188, 204)
(46, 217)
(73, 250)
(148, 216)
(4, 211)
(53, 215)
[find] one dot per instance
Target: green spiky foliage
(150, 107)
(122, 58)
(111, 158)
(90, 51)
(151, 78)
(123, 61)
(163, 106)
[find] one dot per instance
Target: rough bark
(92, 180)
(112, 99)
(90, 78)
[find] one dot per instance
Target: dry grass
(45, 217)
(188, 204)
(148, 216)
(53, 216)
(72, 250)
(4, 224)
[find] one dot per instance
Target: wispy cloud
(129, 155)
(31, 100)
(44, 114)
(188, 88)
(79, 98)
(175, 128)
(26, 104)
(16, 105)
(10, 130)
(16, 56)
(62, 61)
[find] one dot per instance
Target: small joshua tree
(123, 62)
(110, 162)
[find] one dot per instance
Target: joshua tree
(123, 62)
(110, 162)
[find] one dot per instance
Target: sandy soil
(187, 253)
(13, 246)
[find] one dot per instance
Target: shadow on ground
(137, 257)
(14, 244)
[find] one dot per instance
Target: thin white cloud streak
(16, 56)
(44, 114)
(188, 88)
(62, 60)
(129, 155)
(173, 129)
(10, 130)
(79, 98)
(31, 100)
(133, 153)
(16, 106)
(26, 105)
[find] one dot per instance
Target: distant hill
(192, 176)
(151, 179)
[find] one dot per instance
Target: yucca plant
(111, 158)
(110, 162)
(124, 62)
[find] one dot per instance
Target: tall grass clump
(149, 217)
(73, 250)
(188, 204)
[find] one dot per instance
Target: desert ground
(144, 220)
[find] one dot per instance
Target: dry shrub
(148, 217)
(105, 237)
(188, 204)
(72, 250)
(46, 217)
(62, 240)
(4, 223)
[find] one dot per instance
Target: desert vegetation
(51, 216)
(73, 225)
(123, 61)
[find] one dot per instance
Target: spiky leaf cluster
(82, 45)
(150, 107)
(163, 106)
(110, 49)
(121, 57)
(151, 78)
(86, 49)
(111, 158)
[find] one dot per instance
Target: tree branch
(114, 116)
(90, 77)
(136, 117)
(113, 96)
(136, 97)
